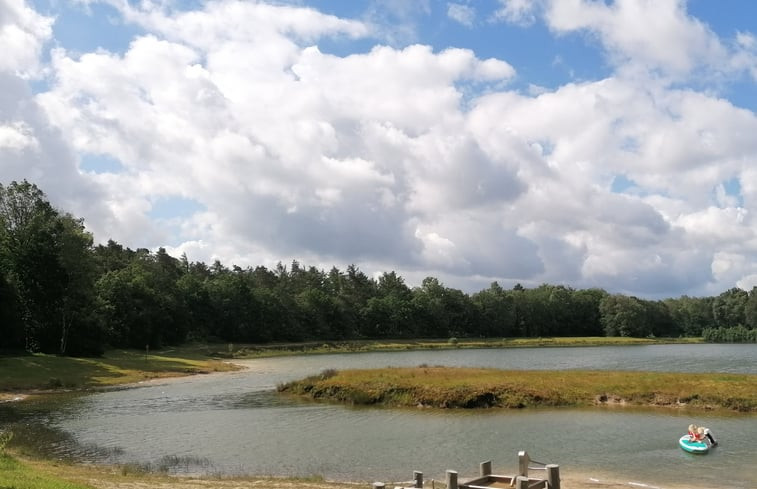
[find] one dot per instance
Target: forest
(61, 293)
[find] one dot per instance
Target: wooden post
(378, 485)
(523, 463)
(451, 479)
(418, 478)
(553, 476)
(521, 482)
(485, 468)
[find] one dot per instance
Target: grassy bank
(24, 373)
(18, 475)
(447, 387)
(242, 351)
(24, 473)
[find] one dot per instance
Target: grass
(40, 371)
(449, 387)
(17, 475)
(357, 346)
(23, 373)
(24, 473)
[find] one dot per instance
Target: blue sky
(588, 143)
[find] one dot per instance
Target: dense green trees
(47, 274)
(59, 293)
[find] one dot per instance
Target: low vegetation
(24, 473)
(358, 346)
(28, 372)
(24, 372)
(17, 475)
(448, 387)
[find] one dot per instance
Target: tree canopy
(60, 293)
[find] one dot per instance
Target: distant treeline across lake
(60, 293)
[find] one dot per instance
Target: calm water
(236, 423)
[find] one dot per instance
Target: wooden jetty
(488, 480)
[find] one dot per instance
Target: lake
(235, 423)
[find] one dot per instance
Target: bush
(327, 373)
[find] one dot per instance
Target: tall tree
(729, 308)
(46, 258)
(623, 316)
(496, 309)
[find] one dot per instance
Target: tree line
(60, 293)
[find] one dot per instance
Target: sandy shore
(162, 482)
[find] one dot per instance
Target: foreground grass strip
(448, 387)
(18, 475)
(25, 473)
(39, 371)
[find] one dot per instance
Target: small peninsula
(467, 388)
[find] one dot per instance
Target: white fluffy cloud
(22, 35)
(384, 158)
(649, 35)
(656, 33)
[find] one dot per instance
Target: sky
(586, 143)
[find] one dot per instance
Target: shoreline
(120, 477)
(19, 395)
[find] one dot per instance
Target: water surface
(236, 423)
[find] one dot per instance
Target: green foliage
(736, 334)
(42, 371)
(47, 272)
(59, 294)
(729, 308)
(17, 475)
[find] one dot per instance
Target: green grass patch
(39, 371)
(19, 472)
(18, 475)
(449, 387)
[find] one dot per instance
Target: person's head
(700, 430)
(692, 428)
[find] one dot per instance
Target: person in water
(693, 433)
(704, 433)
(701, 434)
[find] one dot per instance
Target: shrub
(327, 373)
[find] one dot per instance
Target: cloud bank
(427, 162)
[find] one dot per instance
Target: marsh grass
(449, 387)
